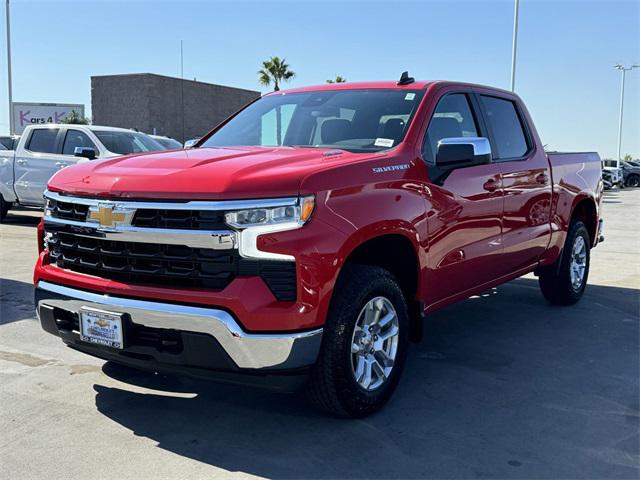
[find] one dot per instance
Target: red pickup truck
(303, 239)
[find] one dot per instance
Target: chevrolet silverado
(302, 241)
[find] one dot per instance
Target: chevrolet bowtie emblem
(107, 217)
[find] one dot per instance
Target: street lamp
(514, 45)
(8, 14)
(624, 70)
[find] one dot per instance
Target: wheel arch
(585, 210)
(398, 253)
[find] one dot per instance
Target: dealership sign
(25, 114)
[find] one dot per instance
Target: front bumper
(176, 338)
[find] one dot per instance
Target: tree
(338, 79)
(628, 158)
(75, 118)
(275, 70)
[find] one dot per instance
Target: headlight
(280, 216)
(255, 217)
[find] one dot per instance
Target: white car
(44, 149)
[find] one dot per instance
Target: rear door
(464, 206)
(526, 182)
(36, 161)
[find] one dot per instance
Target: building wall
(146, 101)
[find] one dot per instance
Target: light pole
(624, 71)
(514, 45)
(11, 126)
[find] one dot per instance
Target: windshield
(353, 120)
(125, 143)
(168, 143)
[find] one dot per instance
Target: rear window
(505, 123)
(43, 140)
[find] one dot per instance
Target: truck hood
(200, 173)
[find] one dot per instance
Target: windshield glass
(125, 143)
(168, 143)
(353, 120)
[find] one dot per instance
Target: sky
(566, 51)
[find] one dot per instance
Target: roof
(76, 125)
(417, 85)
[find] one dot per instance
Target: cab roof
(417, 85)
(393, 85)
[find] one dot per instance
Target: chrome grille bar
(220, 205)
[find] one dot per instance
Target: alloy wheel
(578, 264)
(374, 343)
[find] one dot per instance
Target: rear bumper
(201, 342)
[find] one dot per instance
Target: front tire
(563, 283)
(364, 345)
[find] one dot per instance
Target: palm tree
(275, 70)
(338, 79)
(74, 117)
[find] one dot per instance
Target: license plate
(101, 328)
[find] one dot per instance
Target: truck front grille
(173, 266)
(180, 219)
(69, 211)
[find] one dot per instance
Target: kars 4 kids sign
(25, 114)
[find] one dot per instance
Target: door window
(453, 118)
(76, 138)
(43, 140)
(506, 126)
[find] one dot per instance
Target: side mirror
(459, 152)
(86, 152)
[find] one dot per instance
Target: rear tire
(353, 377)
(4, 208)
(563, 283)
(633, 181)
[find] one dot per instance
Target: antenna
(405, 79)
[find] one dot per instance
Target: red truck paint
(483, 226)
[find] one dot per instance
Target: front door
(464, 208)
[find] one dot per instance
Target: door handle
(490, 185)
(542, 178)
(61, 164)
(21, 161)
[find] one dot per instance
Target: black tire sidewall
(344, 313)
(577, 229)
(4, 208)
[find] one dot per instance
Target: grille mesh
(173, 266)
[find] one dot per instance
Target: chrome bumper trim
(213, 239)
(247, 350)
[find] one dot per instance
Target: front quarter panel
(354, 203)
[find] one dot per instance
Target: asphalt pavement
(503, 386)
